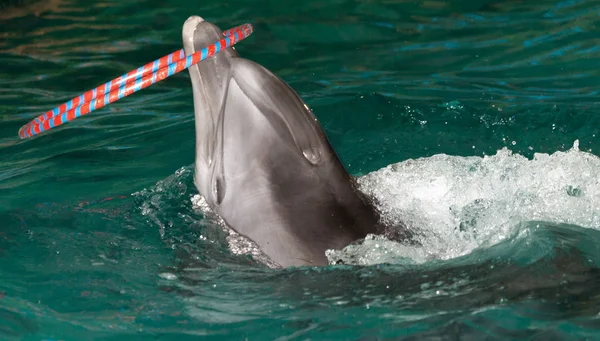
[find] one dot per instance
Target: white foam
(457, 204)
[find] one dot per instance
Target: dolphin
(263, 162)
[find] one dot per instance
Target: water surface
(474, 122)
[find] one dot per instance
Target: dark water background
(98, 236)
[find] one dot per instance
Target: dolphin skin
(263, 162)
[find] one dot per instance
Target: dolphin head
(226, 81)
(263, 162)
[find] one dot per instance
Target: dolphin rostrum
(263, 162)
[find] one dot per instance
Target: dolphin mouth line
(130, 82)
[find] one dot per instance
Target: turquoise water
(474, 122)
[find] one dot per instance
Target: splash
(458, 204)
(453, 204)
